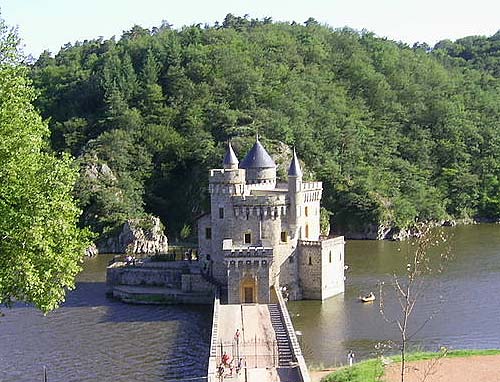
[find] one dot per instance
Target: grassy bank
(371, 370)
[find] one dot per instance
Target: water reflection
(93, 338)
(464, 296)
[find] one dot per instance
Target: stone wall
(159, 282)
(171, 277)
(204, 243)
(255, 272)
(332, 279)
(321, 268)
(310, 269)
(195, 283)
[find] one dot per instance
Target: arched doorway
(248, 290)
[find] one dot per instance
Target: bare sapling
(425, 257)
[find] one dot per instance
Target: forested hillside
(478, 52)
(395, 133)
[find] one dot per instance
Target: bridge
(266, 348)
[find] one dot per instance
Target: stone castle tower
(260, 234)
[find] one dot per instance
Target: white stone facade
(260, 234)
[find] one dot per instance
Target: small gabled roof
(230, 158)
(294, 169)
(257, 157)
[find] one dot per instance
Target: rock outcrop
(380, 232)
(92, 251)
(138, 236)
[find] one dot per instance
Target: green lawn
(371, 370)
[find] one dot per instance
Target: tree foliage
(395, 133)
(40, 245)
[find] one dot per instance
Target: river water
(463, 299)
(93, 338)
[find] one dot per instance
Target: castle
(260, 234)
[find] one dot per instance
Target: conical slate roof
(230, 159)
(294, 169)
(257, 157)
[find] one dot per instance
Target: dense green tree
(40, 248)
(396, 133)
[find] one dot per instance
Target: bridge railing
(297, 352)
(212, 359)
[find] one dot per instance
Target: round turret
(259, 166)
(230, 159)
(294, 170)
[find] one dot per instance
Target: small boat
(368, 298)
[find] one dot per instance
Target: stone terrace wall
(118, 274)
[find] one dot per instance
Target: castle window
(306, 212)
(221, 213)
(307, 231)
(310, 261)
(284, 238)
(330, 256)
(248, 238)
(208, 233)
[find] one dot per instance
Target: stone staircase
(285, 356)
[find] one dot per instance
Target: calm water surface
(92, 338)
(466, 297)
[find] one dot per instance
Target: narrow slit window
(221, 213)
(248, 238)
(283, 237)
(208, 233)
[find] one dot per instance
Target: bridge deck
(256, 346)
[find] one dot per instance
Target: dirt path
(467, 369)
(317, 375)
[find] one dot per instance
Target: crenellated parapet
(275, 199)
(323, 242)
(249, 252)
(311, 192)
(228, 176)
(226, 189)
(310, 243)
(312, 186)
(260, 212)
(248, 257)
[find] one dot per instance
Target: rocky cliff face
(143, 236)
(379, 232)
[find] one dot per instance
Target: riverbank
(392, 233)
(455, 366)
